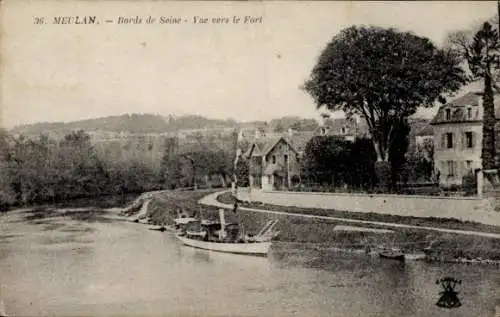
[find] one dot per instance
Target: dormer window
(447, 114)
(469, 113)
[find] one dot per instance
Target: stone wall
(466, 209)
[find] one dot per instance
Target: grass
(445, 246)
(447, 223)
(320, 233)
(162, 208)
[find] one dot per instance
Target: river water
(96, 266)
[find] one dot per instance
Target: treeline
(132, 123)
(149, 123)
(47, 170)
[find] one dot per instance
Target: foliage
(398, 149)
(333, 161)
(295, 123)
(242, 171)
(481, 52)
(132, 123)
(382, 75)
(46, 170)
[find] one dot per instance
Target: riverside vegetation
(40, 170)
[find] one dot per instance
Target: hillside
(149, 123)
(134, 123)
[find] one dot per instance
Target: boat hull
(396, 257)
(255, 248)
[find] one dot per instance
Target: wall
(470, 209)
(459, 153)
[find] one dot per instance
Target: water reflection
(114, 268)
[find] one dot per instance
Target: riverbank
(446, 223)
(444, 246)
(322, 233)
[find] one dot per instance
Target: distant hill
(132, 123)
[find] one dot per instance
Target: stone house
(458, 131)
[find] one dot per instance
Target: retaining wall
(466, 209)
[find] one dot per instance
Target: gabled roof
(262, 147)
(272, 143)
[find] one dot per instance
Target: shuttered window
(451, 168)
(468, 140)
(449, 140)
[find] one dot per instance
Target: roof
(261, 147)
(299, 140)
(425, 131)
(459, 109)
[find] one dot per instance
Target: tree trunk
(383, 174)
(488, 150)
(382, 168)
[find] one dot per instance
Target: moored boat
(246, 248)
(391, 254)
(227, 237)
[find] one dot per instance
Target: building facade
(458, 133)
(273, 164)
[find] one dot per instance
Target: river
(98, 266)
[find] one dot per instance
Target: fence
(415, 188)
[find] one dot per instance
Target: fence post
(480, 183)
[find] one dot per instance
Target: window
(448, 114)
(468, 167)
(450, 165)
(468, 140)
(449, 140)
(286, 158)
(274, 159)
(343, 130)
(469, 113)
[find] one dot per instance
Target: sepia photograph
(249, 158)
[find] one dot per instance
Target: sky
(243, 71)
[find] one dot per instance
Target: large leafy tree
(382, 75)
(481, 53)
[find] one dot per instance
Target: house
(273, 163)
(458, 130)
(274, 158)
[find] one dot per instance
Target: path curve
(211, 200)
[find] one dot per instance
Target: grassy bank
(320, 233)
(162, 208)
(445, 246)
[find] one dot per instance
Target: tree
(481, 52)
(398, 149)
(382, 75)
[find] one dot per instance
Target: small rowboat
(392, 254)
